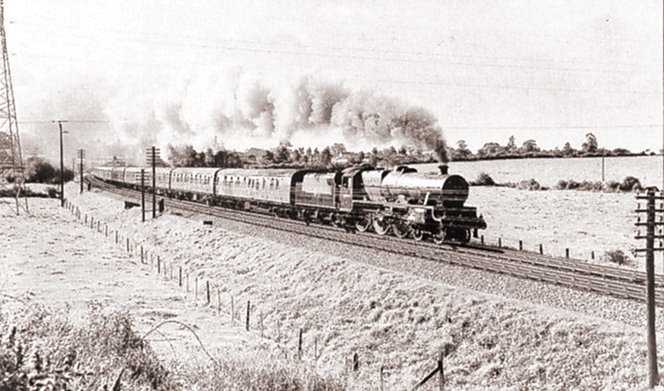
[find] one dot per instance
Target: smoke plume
(238, 110)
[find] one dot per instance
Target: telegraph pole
(81, 154)
(152, 155)
(650, 249)
(143, 195)
(154, 183)
(62, 169)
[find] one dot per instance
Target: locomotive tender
(401, 201)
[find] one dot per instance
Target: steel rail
(610, 281)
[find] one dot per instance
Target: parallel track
(577, 274)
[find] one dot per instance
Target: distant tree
(529, 146)
(462, 149)
(337, 149)
(282, 154)
(374, 151)
(268, 157)
(490, 150)
(403, 150)
(590, 146)
(295, 155)
(511, 145)
(360, 156)
(209, 158)
(568, 150)
(326, 156)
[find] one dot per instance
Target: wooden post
(207, 291)
(106, 225)
(500, 242)
(567, 253)
(116, 237)
(142, 255)
(520, 245)
(260, 322)
(541, 249)
(218, 301)
(356, 362)
(232, 310)
(316, 348)
(180, 277)
(441, 372)
(382, 369)
(482, 239)
(187, 283)
(248, 314)
(158, 265)
(196, 288)
(299, 345)
(592, 255)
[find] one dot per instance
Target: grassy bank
(41, 347)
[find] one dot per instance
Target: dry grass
(41, 347)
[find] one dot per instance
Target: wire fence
(240, 311)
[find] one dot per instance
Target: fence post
(106, 225)
(520, 245)
(482, 239)
(441, 372)
(218, 301)
(248, 314)
(207, 291)
(187, 283)
(116, 237)
(127, 244)
(299, 345)
(500, 242)
(382, 369)
(356, 362)
(592, 255)
(158, 265)
(196, 289)
(541, 249)
(567, 253)
(232, 311)
(180, 277)
(142, 255)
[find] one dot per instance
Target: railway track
(576, 274)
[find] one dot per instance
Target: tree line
(336, 155)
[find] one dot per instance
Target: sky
(148, 71)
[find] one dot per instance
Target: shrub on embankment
(40, 347)
(628, 184)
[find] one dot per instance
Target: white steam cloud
(238, 110)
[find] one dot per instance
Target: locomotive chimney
(443, 169)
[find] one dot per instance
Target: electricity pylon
(11, 159)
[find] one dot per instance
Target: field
(648, 169)
(582, 221)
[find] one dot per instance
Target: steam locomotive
(400, 201)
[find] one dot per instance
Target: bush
(530, 184)
(617, 257)
(483, 179)
(40, 171)
(562, 185)
(630, 184)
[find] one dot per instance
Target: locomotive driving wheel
(363, 224)
(400, 229)
(439, 237)
(417, 234)
(380, 226)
